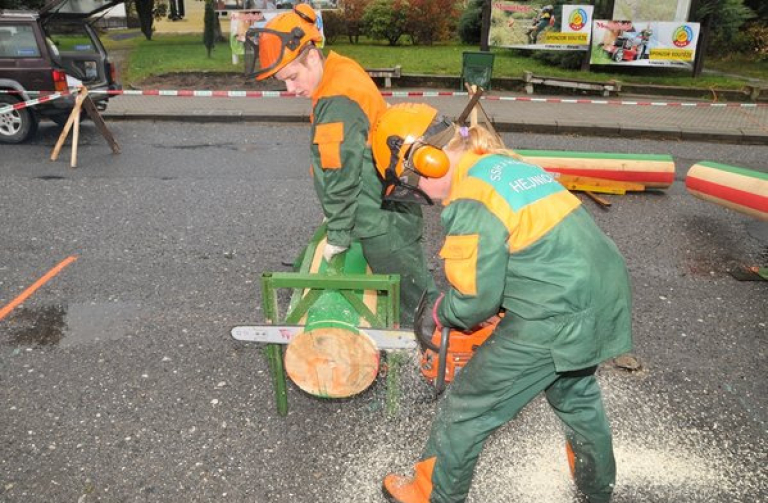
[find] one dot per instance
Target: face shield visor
(273, 49)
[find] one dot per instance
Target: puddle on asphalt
(37, 327)
(70, 325)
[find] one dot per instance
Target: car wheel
(16, 125)
(618, 55)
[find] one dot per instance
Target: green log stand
(338, 287)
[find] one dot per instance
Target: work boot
(580, 496)
(401, 489)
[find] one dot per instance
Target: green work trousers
(388, 255)
(501, 378)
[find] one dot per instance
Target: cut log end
(332, 362)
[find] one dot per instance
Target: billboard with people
(644, 43)
(256, 16)
(538, 25)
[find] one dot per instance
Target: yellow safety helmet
(407, 143)
(283, 38)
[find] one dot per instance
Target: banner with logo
(535, 25)
(644, 43)
(240, 21)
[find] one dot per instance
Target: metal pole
(485, 28)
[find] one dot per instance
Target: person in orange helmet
(345, 105)
(520, 244)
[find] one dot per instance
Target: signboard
(644, 43)
(240, 21)
(660, 10)
(534, 25)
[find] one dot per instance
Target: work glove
(425, 322)
(331, 251)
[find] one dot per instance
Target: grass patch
(749, 65)
(446, 60)
(174, 53)
(186, 53)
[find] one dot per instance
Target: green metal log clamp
(308, 287)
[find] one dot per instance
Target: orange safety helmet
(407, 143)
(283, 38)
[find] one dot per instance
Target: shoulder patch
(328, 138)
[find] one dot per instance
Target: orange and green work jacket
(345, 106)
(518, 241)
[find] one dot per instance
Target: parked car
(50, 50)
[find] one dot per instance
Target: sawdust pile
(660, 457)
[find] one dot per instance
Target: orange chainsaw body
(461, 347)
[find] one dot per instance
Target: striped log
(739, 189)
(653, 171)
(331, 358)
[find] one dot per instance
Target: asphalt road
(119, 381)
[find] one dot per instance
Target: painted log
(740, 189)
(653, 171)
(331, 358)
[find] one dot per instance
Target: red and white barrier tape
(405, 94)
(24, 104)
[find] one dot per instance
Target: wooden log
(332, 362)
(653, 171)
(602, 185)
(332, 358)
(739, 189)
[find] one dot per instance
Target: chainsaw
(442, 357)
(449, 351)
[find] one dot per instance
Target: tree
(428, 21)
(147, 11)
(209, 29)
(333, 25)
(353, 18)
(471, 22)
(144, 10)
(386, 19)
(603, 9)
(760, 8)
(726, 34)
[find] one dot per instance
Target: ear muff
(429, 161)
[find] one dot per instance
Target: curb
(518, 85)
(742, 137)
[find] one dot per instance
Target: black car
(50, 50)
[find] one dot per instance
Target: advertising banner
(644, 43)
(660, 10)
(534, 25)
(240, 21)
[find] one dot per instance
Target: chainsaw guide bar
(384, 338)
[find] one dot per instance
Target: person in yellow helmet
(519, 246)
(345, 105)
